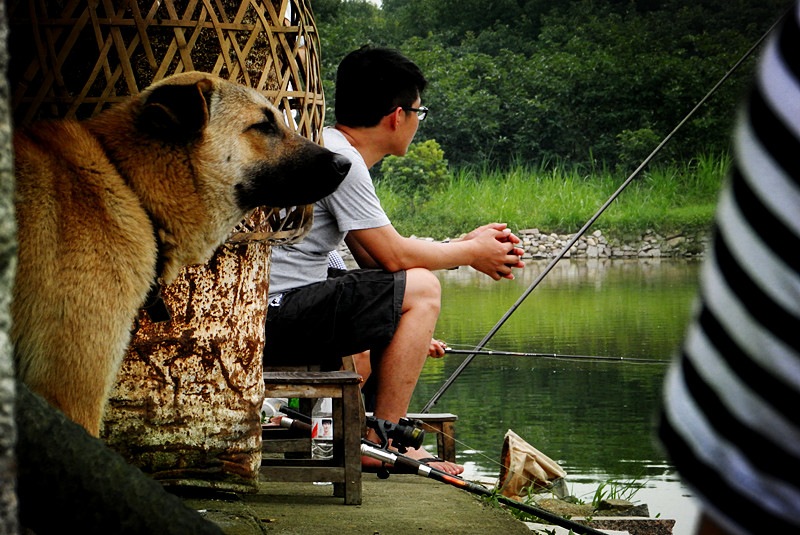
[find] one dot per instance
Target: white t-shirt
(353, 206)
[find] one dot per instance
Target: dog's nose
(341, 165)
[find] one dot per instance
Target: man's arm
(489, 249)
(360, 255)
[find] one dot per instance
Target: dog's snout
(341, 165)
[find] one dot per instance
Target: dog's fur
(108, 206)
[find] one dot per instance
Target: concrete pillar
(8, 501)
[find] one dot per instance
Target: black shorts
(350, 312)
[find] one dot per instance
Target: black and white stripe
(731, 418)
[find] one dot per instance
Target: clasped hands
(496, 253)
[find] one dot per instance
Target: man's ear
(176, 112)
(394, 117)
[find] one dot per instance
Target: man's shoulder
(359, 173)
(336, 141)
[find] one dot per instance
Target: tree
(548, 80)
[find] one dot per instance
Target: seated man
(391, 306)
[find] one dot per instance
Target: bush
(635, 146)
(418, 175)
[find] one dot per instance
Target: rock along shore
(542, 245)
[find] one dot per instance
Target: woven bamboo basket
(186, 406)
(74, 58)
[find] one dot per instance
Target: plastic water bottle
(322, 431)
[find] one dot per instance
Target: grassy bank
(562, 198)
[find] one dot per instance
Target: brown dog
(109, 206)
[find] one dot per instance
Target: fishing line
(591, 221)
(489, 459)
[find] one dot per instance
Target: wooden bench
(344, 469)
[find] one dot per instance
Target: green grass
(562, 198)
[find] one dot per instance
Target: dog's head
(201, 152)
(240, 141)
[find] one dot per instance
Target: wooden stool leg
(338, 444)
(351, 401)
(344, 470)
(446, 442)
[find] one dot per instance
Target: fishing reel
(404, 434)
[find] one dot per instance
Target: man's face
(407, 128)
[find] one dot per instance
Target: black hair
(372, 82)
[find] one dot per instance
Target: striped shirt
(731, 416)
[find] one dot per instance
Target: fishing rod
(439, 393)
(552, 356)
(407, 465)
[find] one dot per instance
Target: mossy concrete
(400, 505)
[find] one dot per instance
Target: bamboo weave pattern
(73, 58)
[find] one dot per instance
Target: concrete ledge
(549, 529)
(632, 524)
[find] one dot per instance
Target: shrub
(418, 175)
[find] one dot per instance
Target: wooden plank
(311, 377)
(301, 391)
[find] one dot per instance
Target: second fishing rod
(492, 352)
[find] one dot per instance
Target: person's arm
(489, 249)
(360, 255)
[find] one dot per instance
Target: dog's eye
(265, 127)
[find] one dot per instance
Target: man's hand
(495, 249)
(437, 348)
(496, 226)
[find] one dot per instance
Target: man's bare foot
(368, 463)
(445, 466)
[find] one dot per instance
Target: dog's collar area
(154, 305)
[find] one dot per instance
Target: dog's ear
(176, 112)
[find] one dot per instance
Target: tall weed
(558, 197)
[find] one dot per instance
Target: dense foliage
(419, 174)
(581, 81)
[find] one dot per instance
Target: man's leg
(357, 310)
(398, 367)
(363, 366)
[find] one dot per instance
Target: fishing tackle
(404, 434)
(428, 406)
(407, 433)
(404, 464)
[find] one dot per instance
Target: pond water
(595, 418)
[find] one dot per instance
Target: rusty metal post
(186, 407)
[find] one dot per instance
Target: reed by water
(562, 197)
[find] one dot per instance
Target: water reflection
(593, 417)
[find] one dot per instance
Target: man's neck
(368, 141)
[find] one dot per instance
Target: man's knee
(422, 288)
